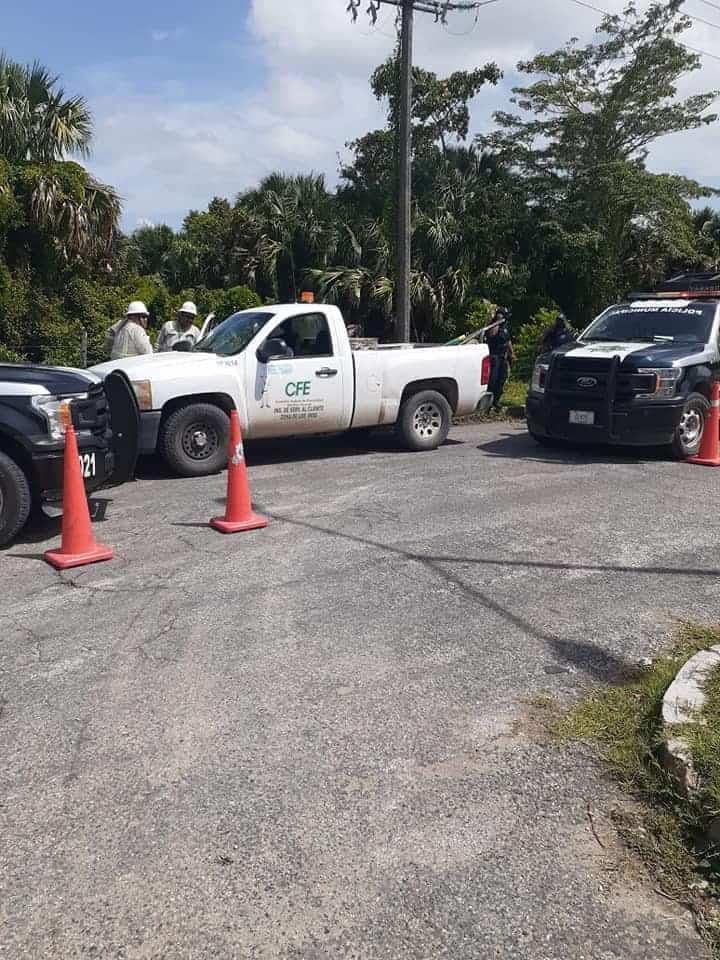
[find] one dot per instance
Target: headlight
(539, 377)
(51, 409)
(143, 392)
(666, 379)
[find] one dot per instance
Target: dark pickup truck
(105, 416)
(640, 374)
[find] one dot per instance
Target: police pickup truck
(641, 373)
(32, 436)
(290, 371)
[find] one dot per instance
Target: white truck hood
(153, 366)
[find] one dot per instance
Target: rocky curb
(682, 706)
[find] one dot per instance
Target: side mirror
(182, 346)
(274, 349)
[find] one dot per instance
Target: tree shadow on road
(586, 657)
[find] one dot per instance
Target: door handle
(326, 372)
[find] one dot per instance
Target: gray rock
(685, 697)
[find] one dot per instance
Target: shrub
(528, 342)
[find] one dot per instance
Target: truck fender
(443, 385)
(222, 400)
(697, 380)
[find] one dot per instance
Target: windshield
(234, 334)
(654, 322)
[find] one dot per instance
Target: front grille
(92, 414)
(574, 378)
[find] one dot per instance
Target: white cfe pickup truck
(290, 371)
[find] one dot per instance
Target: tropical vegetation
(555, 208)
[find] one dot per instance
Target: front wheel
(194, 440)
(424, 420)
(15, 499)
(689, 431)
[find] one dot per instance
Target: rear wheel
(689, 431)
(15, 499)
(194, 440)
(424, 420)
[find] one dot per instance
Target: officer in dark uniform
(557, 335)
(501, 355)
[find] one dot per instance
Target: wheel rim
(691, 427)
(427, 421)
(200, 441)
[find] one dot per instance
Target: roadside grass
(515, 393)
(513, 398)
(623, 725)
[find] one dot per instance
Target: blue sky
(193, 100)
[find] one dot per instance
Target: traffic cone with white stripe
(78, 546)
(239, 514)
(709, 453)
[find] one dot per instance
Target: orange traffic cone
(709, 453)
(238, 510)
(78, 546)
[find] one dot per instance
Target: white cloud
(168, 151)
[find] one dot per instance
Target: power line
(406, 11)
(709, 3)
(708, 23)
(607, 13)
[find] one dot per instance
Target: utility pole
(406, 14)
(403, 300)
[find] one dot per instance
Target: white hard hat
(188, 307)
(135, 308)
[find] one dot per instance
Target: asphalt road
(314, 741)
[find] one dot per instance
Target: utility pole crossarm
(407, 10)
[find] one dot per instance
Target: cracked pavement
(316, 740)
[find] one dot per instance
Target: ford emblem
(587, 382)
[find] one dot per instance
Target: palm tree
(284, 228)
(39, 128)
(37, 120)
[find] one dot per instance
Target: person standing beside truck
(557, 335)
(501, 355)
(128, 337)
(180, 330)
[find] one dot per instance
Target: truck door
(302, 393)
(125, 424)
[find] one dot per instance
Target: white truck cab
(290, 371)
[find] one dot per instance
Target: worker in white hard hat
(180, 330)
(128, 337)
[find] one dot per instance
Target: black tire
(194, 440)
(424, 421)
(688, 433)
(15, 499)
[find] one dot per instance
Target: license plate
(586, 417)
(88, 465)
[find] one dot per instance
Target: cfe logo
(299, 388)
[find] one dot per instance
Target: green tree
(37, 120)
(283, 229)
(58, 208)
(581, 142)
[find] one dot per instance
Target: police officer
(558, 334)
(128, 337)
(180, 330)
(501, 355)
